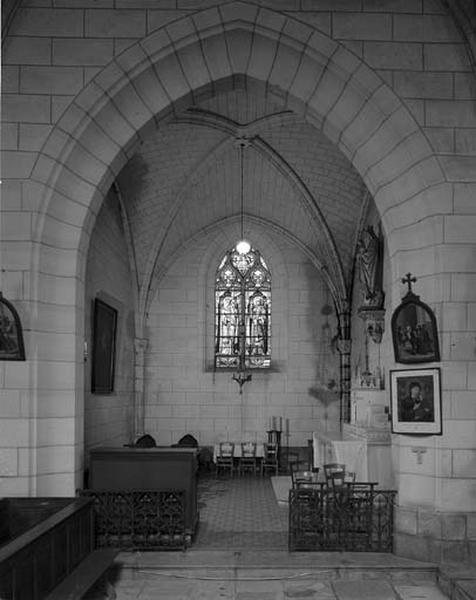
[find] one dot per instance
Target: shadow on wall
(328, 398)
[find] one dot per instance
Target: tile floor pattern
(240, 553)
(240, 512)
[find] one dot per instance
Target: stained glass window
(243, 311)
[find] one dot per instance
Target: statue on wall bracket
(370, 266)
(414, 331)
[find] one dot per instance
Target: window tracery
(243, 311)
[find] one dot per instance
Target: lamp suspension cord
(242, 218)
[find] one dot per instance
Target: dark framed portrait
(104, 348)
(414, 332)
(416, 401)
(11, 333)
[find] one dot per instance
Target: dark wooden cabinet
(161, 469)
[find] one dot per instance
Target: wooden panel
(161, 469)
(35, 561)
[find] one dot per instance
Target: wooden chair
(270, 458)
(307, 480)
(304, 477)
(248, 457)
(330, 469)
(224, 459)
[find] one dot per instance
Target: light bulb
(243, 247)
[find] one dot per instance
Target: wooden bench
(84, 576)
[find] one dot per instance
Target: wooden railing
(39, 558)
(354, 518)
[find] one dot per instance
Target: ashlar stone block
(9, 137)
(51, 80)
(425, 28)
(29, 108)
(214, 50)
(8, 462)
(19, 50)
(459, 168)
(453, 526)
(46, 22)
(284, 70)
(446, 57)
(82, 51)
(159, 18)
(393, 55)
(18, 165)
(423, 85)
(116, 23)
(362, 26)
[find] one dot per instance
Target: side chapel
(142, 140)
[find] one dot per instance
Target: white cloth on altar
(353, 454)
(330, 447)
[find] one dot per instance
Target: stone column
(344, 346)
(140, 346)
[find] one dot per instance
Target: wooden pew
(84, 576)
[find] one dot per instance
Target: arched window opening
(243, 311)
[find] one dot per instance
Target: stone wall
(183, 392)
(108, 418)
(399, 103)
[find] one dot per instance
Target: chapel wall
(183, 392)
(108, 418)
(53, 52)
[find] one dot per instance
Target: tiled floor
(240, 512)
(240, 553)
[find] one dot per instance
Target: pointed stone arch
(195, 56)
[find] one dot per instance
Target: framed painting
(11, 333)
(414, 332)
(416, 401)
(104, 348)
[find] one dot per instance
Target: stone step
(275, 575)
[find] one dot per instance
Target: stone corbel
(374, 319)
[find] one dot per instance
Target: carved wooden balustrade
(356, 517)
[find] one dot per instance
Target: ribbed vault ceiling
(185, 178)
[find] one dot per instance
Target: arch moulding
(193, 57)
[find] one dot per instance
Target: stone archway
(321, 80)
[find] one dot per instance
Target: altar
(364, 444)
(333, 447)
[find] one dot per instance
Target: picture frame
(11, 332)
(104, 348)
(414, 332)
(416, 401)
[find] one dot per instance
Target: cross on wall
(408, 279)
(419, 452)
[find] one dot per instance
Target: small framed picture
(414, 332)
(11, 333)
(416, 401)
(104, 348)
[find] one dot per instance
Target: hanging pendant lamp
(241, 376)
(242, 246)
